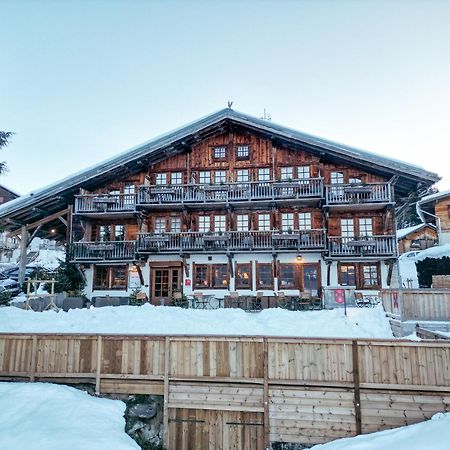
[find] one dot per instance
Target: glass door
(165, 281)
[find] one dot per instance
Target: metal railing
(230, 192)
(103, 203)
(231, 241)
(367, 246)
(358, 193)
(103, 251)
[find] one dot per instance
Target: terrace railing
(231, 241)
(363, 246)
(358, 193)
(103, 251)
(231, 192)
(105, 203)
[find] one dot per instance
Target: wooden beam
(166, 392)
(357, 391)
(35, 232)
(42, 221)
(64, 221)
(23, 254)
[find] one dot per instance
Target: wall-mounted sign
(187, 282)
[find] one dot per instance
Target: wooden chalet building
(227, 203)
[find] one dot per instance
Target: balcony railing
(231, 192)
(231, 241)
(105, 203)
(103, 251)
(367, 246)
(358, 193)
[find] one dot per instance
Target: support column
(24, 236)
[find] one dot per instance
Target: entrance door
(310, 278)
(165, 280)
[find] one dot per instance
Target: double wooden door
(164, 282)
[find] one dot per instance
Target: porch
(104, 204)
(372, 246)
(103, 251)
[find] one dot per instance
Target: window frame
(159, 177)
(296, 276)
(249, 268)
(202, 221)
(265, 222)
(259, 285)
(245, 156)
(219, 158)
(176, 178)
(359, 275)
(209, 276)
(264, 174)
(286, 173)
(110, 278)
(242, 219)
(206, 174)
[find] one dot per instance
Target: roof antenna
(230, 103)
(266, 115)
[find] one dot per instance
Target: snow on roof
(405, 231)
(434, 252)
(436, 196)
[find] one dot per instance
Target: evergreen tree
(5, 136)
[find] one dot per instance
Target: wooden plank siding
(216, 387)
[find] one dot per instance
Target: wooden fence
(244, 392)
(417, 304)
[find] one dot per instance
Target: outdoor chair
(361, 301)
(305, 301)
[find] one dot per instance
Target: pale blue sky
(83, 80)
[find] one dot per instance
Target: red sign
(395, 295)
(187, 282)
(339, 296)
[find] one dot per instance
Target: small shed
(417, 237)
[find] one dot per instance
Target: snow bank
(433, 434)
(50, 417)
(434, 252)
(147, 319)
(49, 259)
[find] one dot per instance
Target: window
(287, 221)
(160, 224)
(175, 225)
(161, 178)
(287, 173)
(303, 172)
(220, 152)
(288, 278)
(220, 223)
(304, 221)
(243, 276)
(361, 275)
(336, 178)
(347, 275)
(264, 222)
(242, 152)
(369, 276)
(347, 228)
(242, 176)
(129, 189)
(110, 277)
(204, 224)
(213, 276)
(204, 177)
(119, 232)
(365, 227)
(264, 174)
(220, 176)
(353, 180)
(242, 222)
(105, 233)
(176, 178)
(264, 276)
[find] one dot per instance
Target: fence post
(356, 386)
(266, 395)
(166, 392)
(33, 359)
(98, 368)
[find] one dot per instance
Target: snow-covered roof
(403, 232)
(434, 197)
(55, 197)
(434, 252)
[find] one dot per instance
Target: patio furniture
(179, 300)
(200, 301)
(305, 301)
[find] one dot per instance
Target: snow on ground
(433, 434)
(49, 259)
(50, 417)
(408, 272)
(434, 252)
(147, 319)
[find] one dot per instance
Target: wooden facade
(420, 239)
(245, 392)
(234, 195)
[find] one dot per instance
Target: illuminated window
(243, 276)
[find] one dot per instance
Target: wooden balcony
(197, 195)
(105, 204)
(231, 241)
(352, 196)
(371, 246)
(103, 251)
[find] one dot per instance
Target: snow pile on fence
(433, 434)
(147, 319)
(49, 417)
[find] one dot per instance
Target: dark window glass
(264, 273)
(348, 275)
(370, 275)
(243, 276)
(201, 276)
(101, 277)
(287, 276)
(220, 276)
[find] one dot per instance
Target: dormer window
(220, 152)
(242, 152)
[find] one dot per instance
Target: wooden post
(356, 383)
(266, 395)
(99, 365)
(33, 359)
(166, 392)
(23, 254)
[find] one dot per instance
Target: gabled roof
(55, 197)
(403, 232)
(433, 197)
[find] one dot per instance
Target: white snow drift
(50, 417)
(360, 322)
